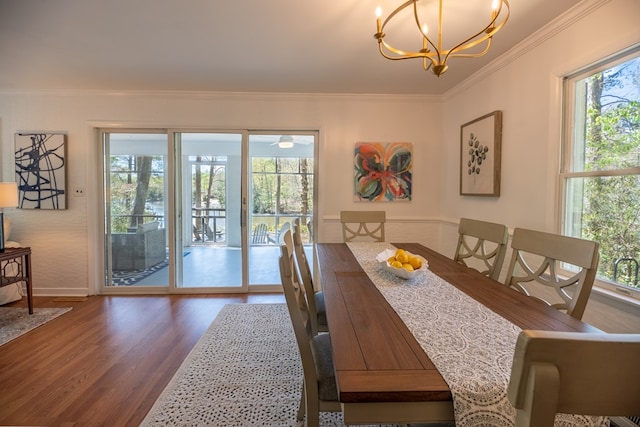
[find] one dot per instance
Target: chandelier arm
(430, 63)
(427, 61)
(472, 41)
(439, 28)
(471, 55)
(450, 54)
(425, 52)
(395, 12)
(400, 54)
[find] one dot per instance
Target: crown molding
(571, 16)
(220, 95)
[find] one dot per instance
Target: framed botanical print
(480, 153)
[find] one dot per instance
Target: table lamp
(8, 199)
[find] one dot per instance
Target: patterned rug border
(131, 277)
(16, 321)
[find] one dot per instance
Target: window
(601, 167)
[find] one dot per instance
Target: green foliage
(213, 181)
(618, 143)
(611, 214)
(264, 182)
(279, 186)
(123, 187)
(611, 217)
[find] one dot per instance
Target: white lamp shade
(8, 194)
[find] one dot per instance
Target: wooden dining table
(383, 374)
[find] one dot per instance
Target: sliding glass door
(192, 211)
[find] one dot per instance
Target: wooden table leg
(27, 266)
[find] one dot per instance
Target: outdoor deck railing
(209, 224)
(140, 219)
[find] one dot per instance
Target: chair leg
(312, 410)
(313, 415)
(301, 407)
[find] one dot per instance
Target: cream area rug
(15, 321)
(244, 371)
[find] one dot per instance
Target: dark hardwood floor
(105, 362)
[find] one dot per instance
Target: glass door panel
(211, 188)
(280, 189)
(135, 209)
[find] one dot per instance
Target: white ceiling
(229, 45)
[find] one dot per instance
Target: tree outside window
(601, 168)
(282, 189)
(135, 182)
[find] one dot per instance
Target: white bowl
(383, 256)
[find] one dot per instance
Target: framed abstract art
(40, 170)
(382, 171)
(480, 153)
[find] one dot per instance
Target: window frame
(570, 134)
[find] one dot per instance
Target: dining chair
(319, 391)
(542, 263)
(482, 245)
(363, 225)
(285, 227)
(574, 373)
(315, 299)
(279, 237)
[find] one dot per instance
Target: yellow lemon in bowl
(403, 257)
(396, 264)
(415, 262)
(408, 267)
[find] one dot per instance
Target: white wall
(64, 242)
(526, 85)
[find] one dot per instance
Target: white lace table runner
(469, 344)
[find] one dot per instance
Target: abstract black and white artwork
(40, 170)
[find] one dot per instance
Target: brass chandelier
(433, 55)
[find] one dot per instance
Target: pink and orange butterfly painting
(382, 171)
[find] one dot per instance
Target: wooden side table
(16, 267)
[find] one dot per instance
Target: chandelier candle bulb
(494, 15)
(494, 9)
(425, 40)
